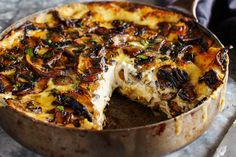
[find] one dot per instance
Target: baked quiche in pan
(62, 66)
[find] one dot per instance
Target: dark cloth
(220, 17)
(204, 8)
(225, 25)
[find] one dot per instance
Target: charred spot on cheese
(63, 65)
(211, 79)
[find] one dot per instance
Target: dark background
(223, 21)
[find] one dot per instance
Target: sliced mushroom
(89, 67)
(169, 77)
(56, 38)
(74, 51)
(165, 77)
(164, 28)
(74, 104)
(5, 85)
(181, 76)
(89, 78)
(38, 66)
(132, 51)
(62, 80)
(211, 79)
(30, 88)
(102, 31)
(10, 60)
(51, 61)
(24, 74)
(187, 92)
(62, 117)
(195, 39)
(22, 88)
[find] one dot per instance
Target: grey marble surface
(12, 10)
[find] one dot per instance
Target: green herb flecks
(48, 55)
(88, 88)
(92, 41)
(79, 23)
(142, 56)
(10, 56)
(74, 86)
(16, 86)
(144, 42)
(81, 47)
(29, 51)
(61, 108)
(49, 41)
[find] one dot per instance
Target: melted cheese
(103, 93)
(12, 40)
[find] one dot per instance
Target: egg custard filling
(62, 66)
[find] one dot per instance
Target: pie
(62, 65)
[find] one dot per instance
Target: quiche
(62, 65)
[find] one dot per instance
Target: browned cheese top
(50, 66)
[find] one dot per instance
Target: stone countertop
(12, 10)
